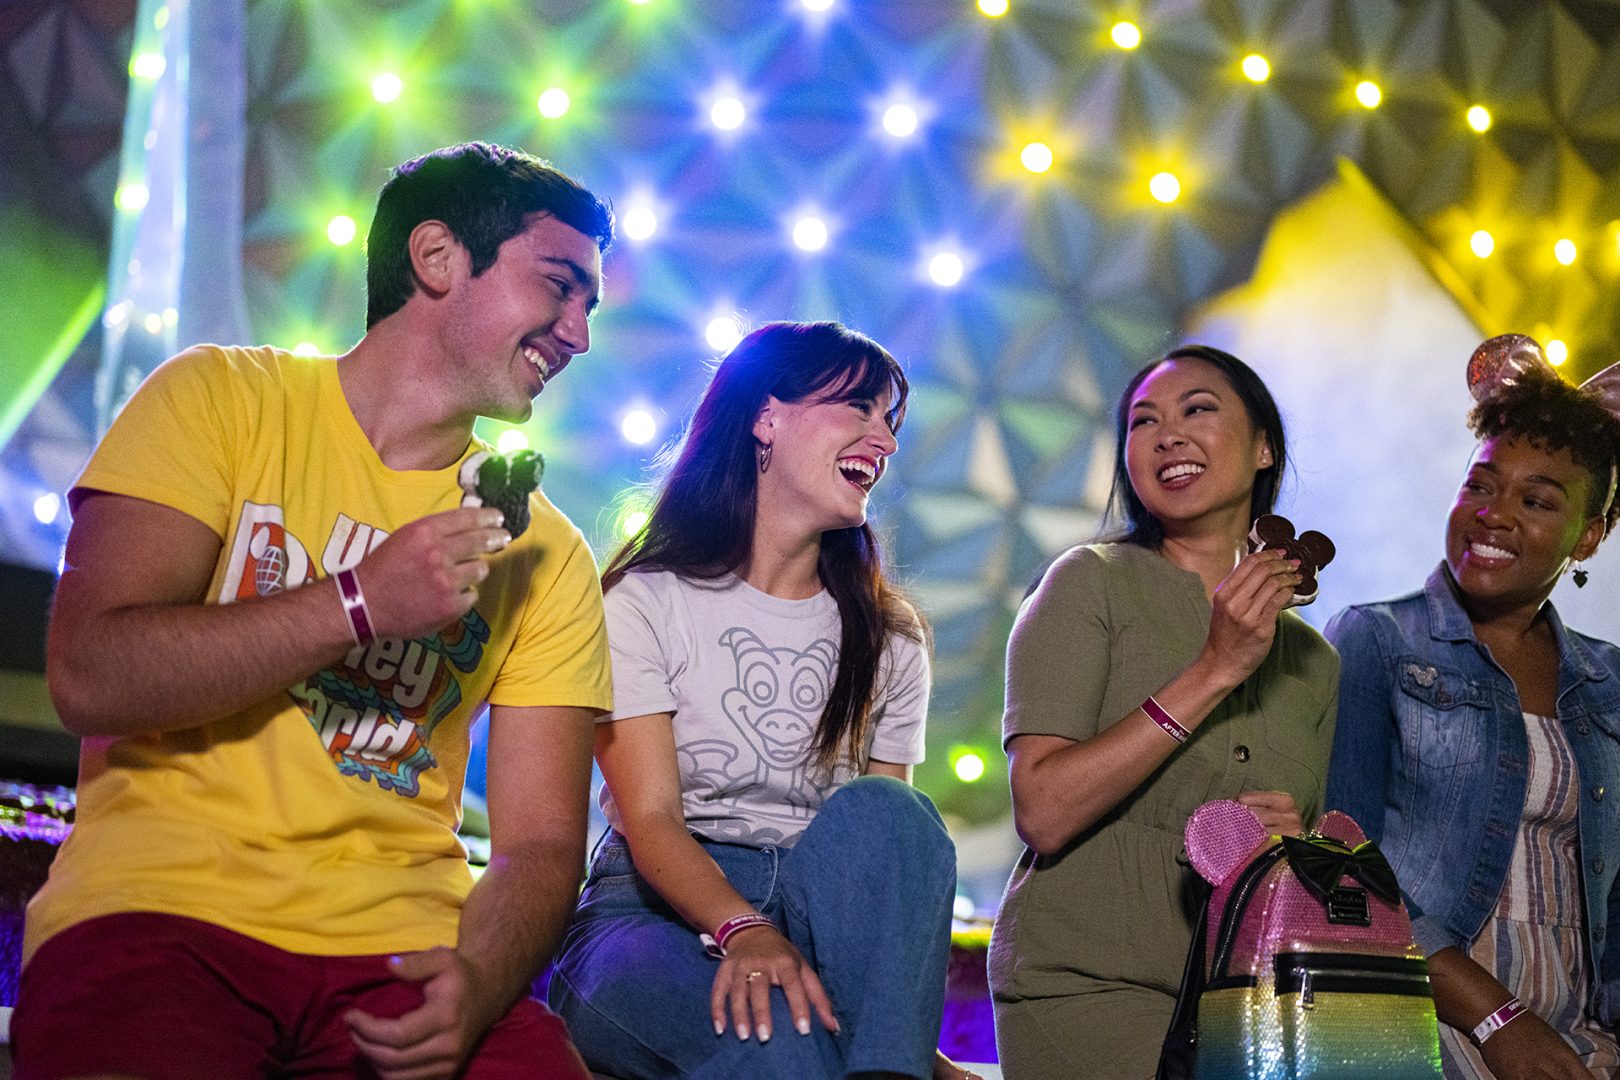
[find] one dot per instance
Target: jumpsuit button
(1241, 753)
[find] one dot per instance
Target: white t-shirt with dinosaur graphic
(746, 676)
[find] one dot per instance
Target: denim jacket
(1430, 757)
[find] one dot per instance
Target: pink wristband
(354, 607)
(1499, 1019)
(1171, 726)
(716, 946)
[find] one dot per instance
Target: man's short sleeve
(560, 656)
(1057, 656)
(639, 628)
(175, 442)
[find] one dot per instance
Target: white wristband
(1501, 1018)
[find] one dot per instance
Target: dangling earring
(764, 458)
(1579, 576)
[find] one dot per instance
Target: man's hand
(426, 575)
(433, 1040)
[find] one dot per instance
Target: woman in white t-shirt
(773, 898)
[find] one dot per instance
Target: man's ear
(434, 256)
(765, 421)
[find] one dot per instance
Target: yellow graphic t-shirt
(322, 820)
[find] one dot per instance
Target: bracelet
(1170, 725)
(1499, 1019)
(716, 946)
(354, 607)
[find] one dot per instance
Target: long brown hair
(702, 521)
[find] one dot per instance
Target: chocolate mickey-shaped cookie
(505, 481)
(1311, 548)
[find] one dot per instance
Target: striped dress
(1535, 941)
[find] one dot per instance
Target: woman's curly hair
(1549, 413)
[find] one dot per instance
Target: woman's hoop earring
(1579, 576)
(764, 457)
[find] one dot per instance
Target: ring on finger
(752, 975)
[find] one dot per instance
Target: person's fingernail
(764, 1033)
(742, 1032)
(719, 1027)
(500, 540)
(803, 1026)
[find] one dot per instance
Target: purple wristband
(716, 946)
(1512, 1010)
(1171, 726)
(354, 607)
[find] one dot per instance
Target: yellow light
(154, 323)
(1557, 352)
(1256, 68)
(512, 439)
(341, 230)
(1126, 35)
(1037, 157)
(1479, 118)
(387, 87)
(147, 65)
(160, 17)
(968, 767)
(1368, 94)
(553, 103)
(995, 9)
(306, 348)
(132, 197)
(1482, 244)
(1564, 251)
(633, 522)
(1165, 187)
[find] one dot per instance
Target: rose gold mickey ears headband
(1503, 360)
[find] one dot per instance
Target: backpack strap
(1180, 1049)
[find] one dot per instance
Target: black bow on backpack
(1319, 862)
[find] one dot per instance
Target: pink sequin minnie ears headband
(1503, 360)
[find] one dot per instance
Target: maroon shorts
(168, 998)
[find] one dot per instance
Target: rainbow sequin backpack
(1303, 964)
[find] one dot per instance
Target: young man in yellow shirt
(275, 624)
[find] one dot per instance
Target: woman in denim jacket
(1479, 742)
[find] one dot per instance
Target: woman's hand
(946, 1069)
(1276, 811)
(1245, 609)
(1528, 1049)
(758, 958)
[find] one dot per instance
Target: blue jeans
(865, 895)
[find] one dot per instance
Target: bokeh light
(946, 269)
(512, 440)
(153, 324)
(1127, 35)
(968, 766)
(1165, 187)
(639, 223)
(1557, 352)
(46, 507)
(341, 230)
(1256, 68)
(963, 907)
(995, 9)
(1368, 94)
(553, 102)
(1482, 243)
(728, 113)
(900, 120)
(722, 332)
(147, 65)
(306, 348)
(816, 5)
(638, 427)
(1564, 251)
(1037, 157)
(387, 87)
(810, 233)
(131, 197)
(1479, 118)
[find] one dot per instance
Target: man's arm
(132, 624)
(539, 791)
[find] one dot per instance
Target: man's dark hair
(485, 195)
